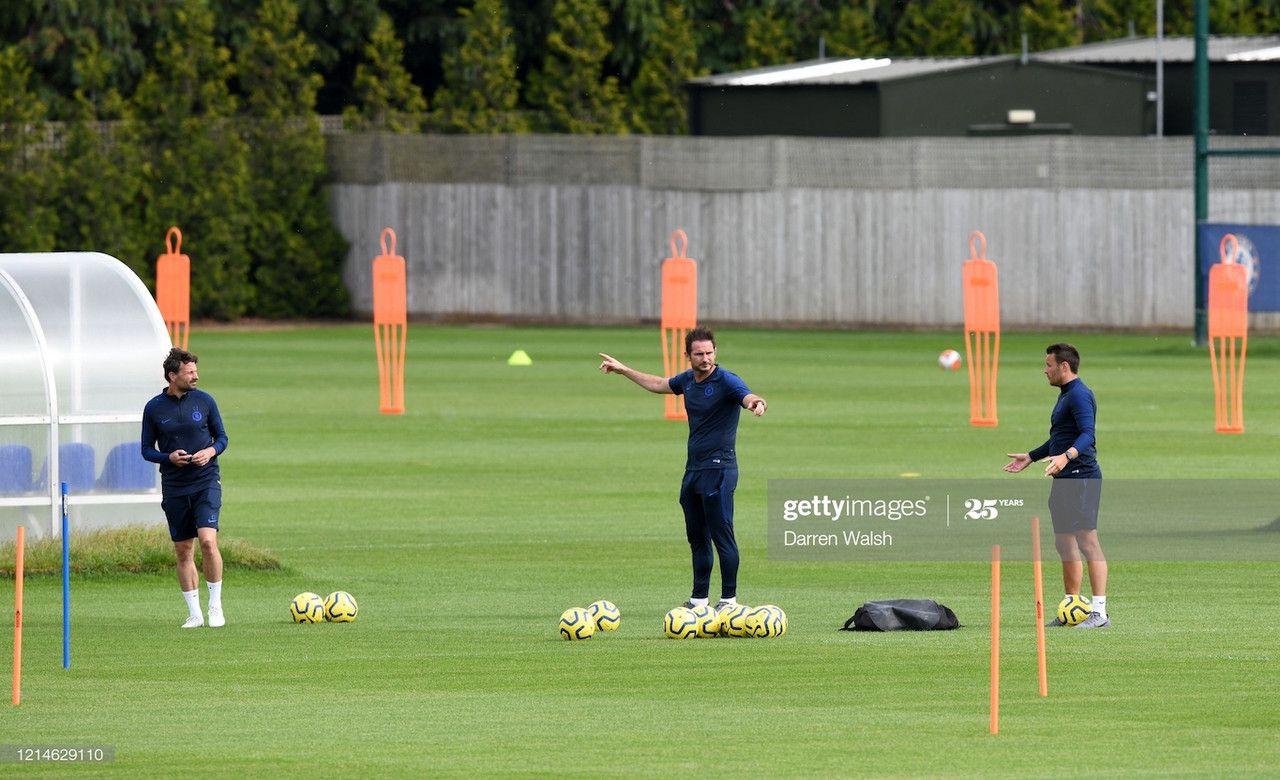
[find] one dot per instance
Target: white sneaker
(1095, 620)
(216, 619)
(195, 621)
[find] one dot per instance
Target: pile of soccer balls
(577, 623)
(308, 607)
(737, 621)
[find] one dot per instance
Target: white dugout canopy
(81, 348)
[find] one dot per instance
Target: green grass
(131, 548)
(505, 495)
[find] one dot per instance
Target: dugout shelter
(81, 346)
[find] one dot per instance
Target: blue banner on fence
(1258, 249)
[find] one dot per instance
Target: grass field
(507, 494)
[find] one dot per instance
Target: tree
(658, 102)
(54, 34)
(387, 98)
(481, 88)
(571, 89)
(295, 251)
(769, 39)
(1048, 25)
(194, 163)
(936, 28)
(99, 182)
(632, 30)
(27, 222)
(853, 33)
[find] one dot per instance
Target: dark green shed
(922, 97)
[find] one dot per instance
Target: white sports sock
(193, 602)
(215, 595)
(1100, 604)
(699, 602)
(730, 600)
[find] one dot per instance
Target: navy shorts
(1073, 503)
(192, 511)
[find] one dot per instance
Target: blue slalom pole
(66, 586)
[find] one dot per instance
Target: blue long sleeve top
(189, 423)
(1072, 425)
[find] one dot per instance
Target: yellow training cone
(519, 358)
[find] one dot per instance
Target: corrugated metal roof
(844, 71)
(1222, 48)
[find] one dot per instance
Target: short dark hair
(174, 360)
(698, 334)
(1065, 353)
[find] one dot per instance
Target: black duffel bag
(902, 615)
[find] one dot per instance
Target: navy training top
(1072, 425)
(713, 406)
(189, 423)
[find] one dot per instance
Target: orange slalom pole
(17, 618)
(1228, 332)
(995, 639)
(173, 288)
(981, 284)
(1035, 557)
(679, 315)
(390, 323)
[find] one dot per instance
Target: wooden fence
(1087, 232)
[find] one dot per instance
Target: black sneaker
(1053, 623)
(723, 605)
(1095, 620)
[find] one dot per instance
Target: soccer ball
(708, 620)
(339, 607)
(307, 608)
(605, 614)
(766, 621)
(680, 623)
(576, 623)
(1073, 609)
(733, 620)
(949, 360)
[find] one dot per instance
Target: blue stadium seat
(15, 468)
(75, 467)
(126, 469)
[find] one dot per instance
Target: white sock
(730, 600)
(193, 602)
(1100, 604)
(699, 602)
(215, 595)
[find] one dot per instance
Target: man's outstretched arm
(654, 384)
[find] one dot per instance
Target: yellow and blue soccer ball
(577, 624)
(708, 620)
(680, 623)
(1074, 609)
(307, 608)
(766, 621)
(605, 614)
(340, 607)
(733, 620)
